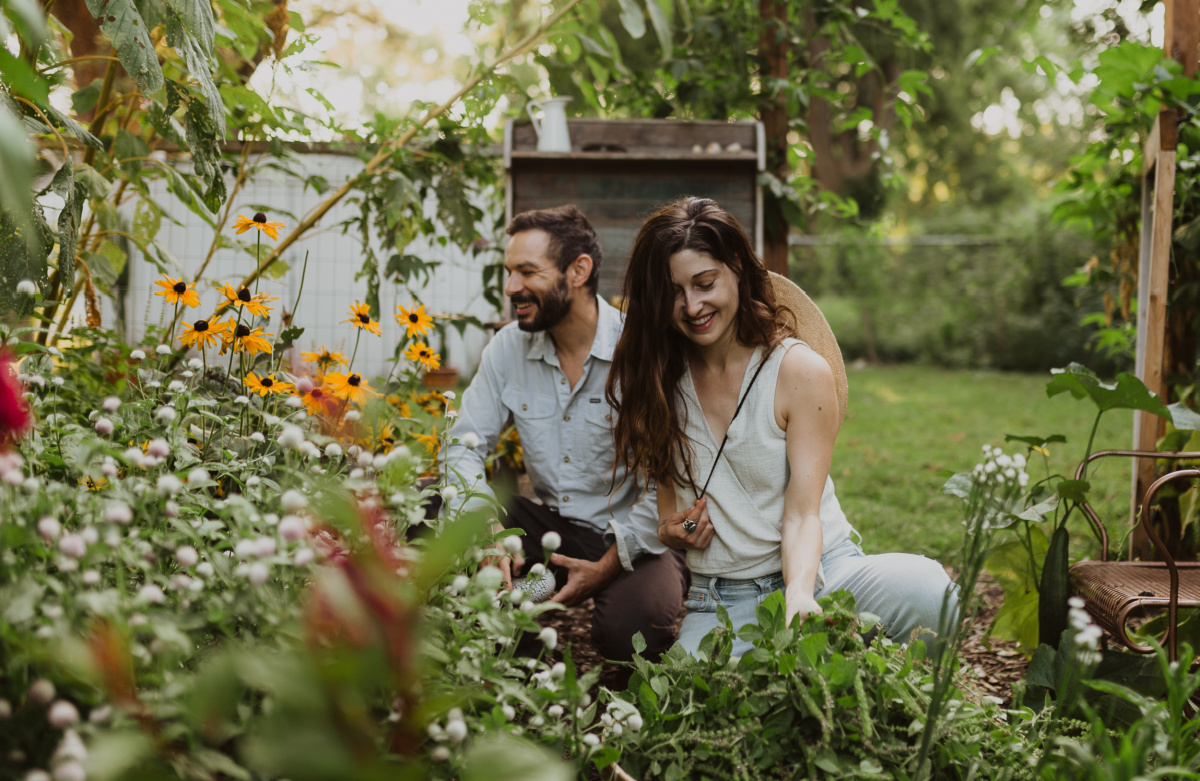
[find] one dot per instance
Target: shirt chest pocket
(531, 409)
(598, 435)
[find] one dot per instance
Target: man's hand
(801, 604)
(673, 534)
(584, 578)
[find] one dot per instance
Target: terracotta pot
(444, 378)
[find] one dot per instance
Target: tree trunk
(772, 42)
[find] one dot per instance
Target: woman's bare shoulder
(803, 366)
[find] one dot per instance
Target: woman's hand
(800, 603)
(674, 534)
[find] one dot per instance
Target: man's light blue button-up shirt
(566, 433)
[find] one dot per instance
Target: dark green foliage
(1053, 592)
(812, 702)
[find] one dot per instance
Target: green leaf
(125, 29)
(1183, 417)
(639, 643)
(84, 100)
(76, 130)
(288, 337)
(114, 755)
(1035, 440)
(197, 18)
(23, 259)
(97, 187)
(73, 194)
(128, 145)
(505, 758)
(198, 62)
(632, 18)
(21, 79)
(16, 161)
(1128, 393)
(659, 11)
(1073, 490)
(30, 21)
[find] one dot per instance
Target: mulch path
(991, 668)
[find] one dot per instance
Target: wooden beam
(1181, 40)
(1158, 202)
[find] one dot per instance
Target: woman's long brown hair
(651, 356)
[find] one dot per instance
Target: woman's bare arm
(806, 407)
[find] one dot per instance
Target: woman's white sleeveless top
(745, 495)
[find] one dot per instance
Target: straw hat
(810, 326)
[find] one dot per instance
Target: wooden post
(772, 42)
(1182, 43)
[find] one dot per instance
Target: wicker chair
(1115, 591)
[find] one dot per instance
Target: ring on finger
(689, 526)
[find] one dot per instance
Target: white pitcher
(551, 132)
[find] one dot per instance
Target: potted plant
(445, 376)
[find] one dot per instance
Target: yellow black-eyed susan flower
(349, 387)
(266, 385)
(423, 354)
(244, 339)
(243, 298)
(430, 441)
(177, 291)
(415, 321)
(360, 317)
(258, 222)
(202, 333)
(325, 359)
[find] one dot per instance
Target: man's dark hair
(571, 235)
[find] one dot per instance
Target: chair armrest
(1090, 514)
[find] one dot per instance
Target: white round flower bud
(62, 714)
(151, 594)
(352, 416)
(187, 556)
(168, 485)
(456, 731)
(258, 573)
(26, 287)
(137, 355)
(103, 426)
(512, 544)
(41, 691)
(293, 501)
(292, 528)
(49, 527)
(118, 512)
(163, 349)
(198, 475)
(551, 541)
(549, 638)
(489, 577)
(304, 556)
(469, 440)
(333, 450)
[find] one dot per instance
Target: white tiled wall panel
(329, 288)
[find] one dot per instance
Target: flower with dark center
(244, 294)
(259, 223)
(360, 317)
(259, 217)
(351, 388)
(201, 333)
(242, 331)
(176, 291)
(354, 380)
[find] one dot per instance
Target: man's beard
(551, 308)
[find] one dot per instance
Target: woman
(735, 419)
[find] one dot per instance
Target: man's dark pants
(648, 600)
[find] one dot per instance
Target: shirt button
(608, 418)
(566, 418)
(566, 459)
(566, 498)
(563, 381)
(524, 407)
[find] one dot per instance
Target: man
(547, 371)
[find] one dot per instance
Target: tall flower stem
(350, 368)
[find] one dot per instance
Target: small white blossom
(293, 501)
(258, 573)
(41, 691)
(264, 547)
(456, 731)
(163, 349)
(187, 556)
(489, 577)
(294, 402)
(62, 714)
(118, 512)
(159, 448)
(241, 400)
(449, 494)
(90, 535)
(509, 712)
(555, 711)
(558, 671)
(333, 450)
(151, 594)
(103, 426)
(591, 740)
(292, 528)
(292, 436)
(551, 541)
(512, 544)
(168, 485)
(459, 584)
(440, 754)
(49, 527)
(198, 475)
(91, 577)
(165, 414)
(536, 571)
(204, 569)
(549, 638)
(137, 355)
(26, 287)
(635, 722)
(450, 395)
(176, 387)
(244, 549)
(469, 440)
(195, 364)
(352, 416)
(57, 381)
(73, 545)
(303, 556)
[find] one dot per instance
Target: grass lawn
(907, 423)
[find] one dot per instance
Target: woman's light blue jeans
(905, 590)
